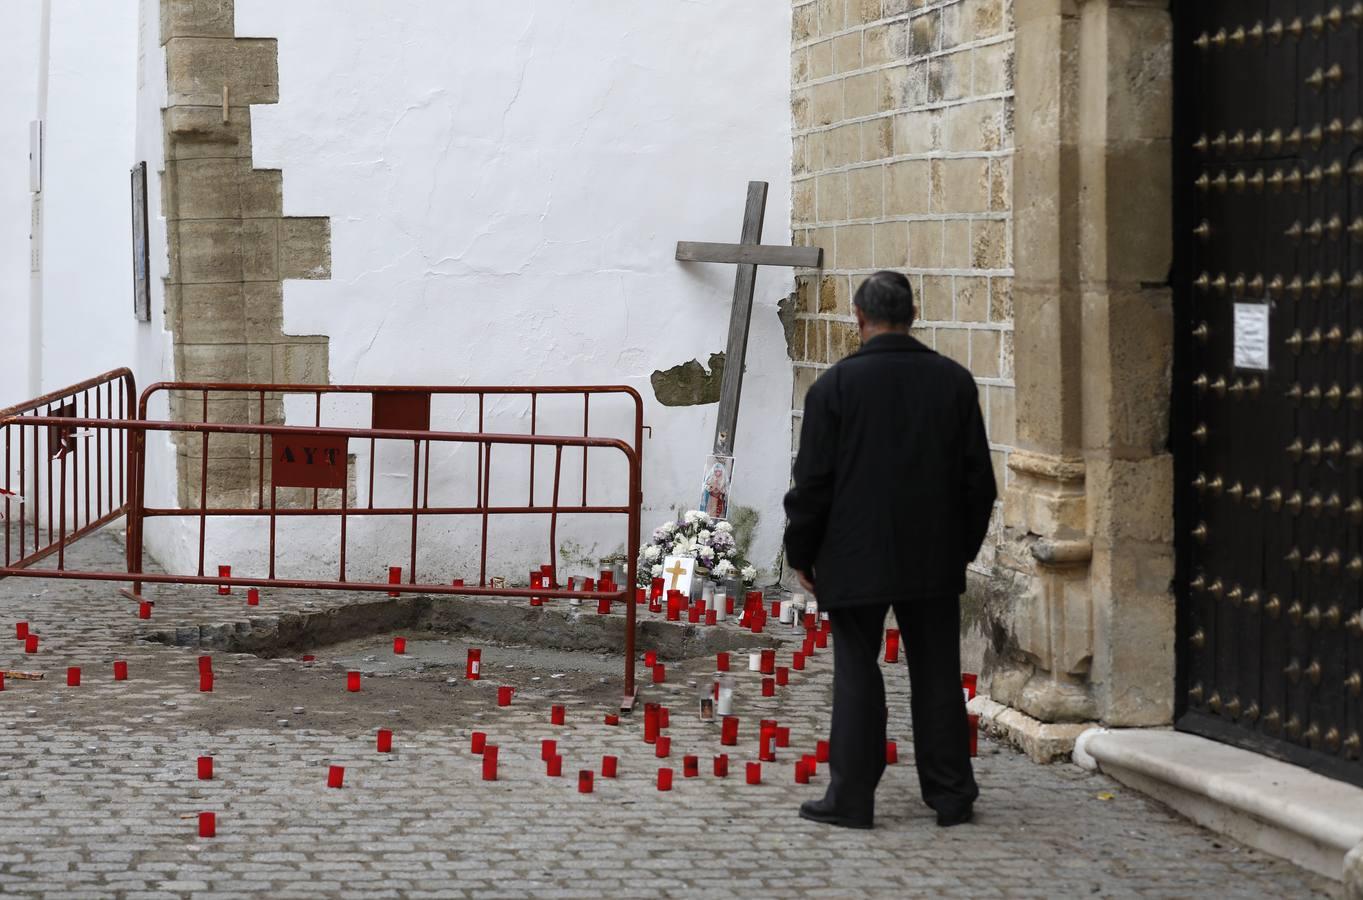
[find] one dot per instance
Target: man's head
(883, 304)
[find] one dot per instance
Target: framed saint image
(714, 490)
(141, 250)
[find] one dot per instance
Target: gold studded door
(1269, 395)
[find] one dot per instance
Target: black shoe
(823, 812)
(958, 817)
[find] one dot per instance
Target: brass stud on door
(1198, 639)
(1314, 559)
(1275, 499)
(1355, 568)
(1203, 231)
(1294, 615)
(1293, 671)
(1252, 600)
(1273, 606)
(1313, 452)
(1293, 727)
(1332, 560)
(1200, 433)
(1355, 511)
(1198, 582)
(1295, 449)
(1356, 229)
(1315, 505)
(1203, 183)
(1236, 491)
(1295, 341)
(1312, 734)
(1233, 707)
(1355, 625)
(1355, 454)
(1332, 740)
(1352, 744)
(1200, 533)
(1234, 595)
(1216, 588)
(1195, 693)
(1332, 616)
(1320, 78)
(1312, 617)
(1252, 712)
(1201, 333)
(1273, 721)
(1354, 684)
(1254, 497)
(1214, 702)
(1293, 557)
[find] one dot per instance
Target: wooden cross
(748, 254)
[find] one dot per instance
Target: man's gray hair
(886, 297)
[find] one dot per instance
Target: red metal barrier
(316, 458)
(85, 469)
(401, 407)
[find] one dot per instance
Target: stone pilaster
(230, 244)
(1088, 512)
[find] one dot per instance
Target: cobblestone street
(100, 795)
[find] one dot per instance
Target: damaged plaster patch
(787, 308)
(689, 384)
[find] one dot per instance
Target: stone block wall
(903, 159)
(230, 244)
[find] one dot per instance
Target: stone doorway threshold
(1282, 809)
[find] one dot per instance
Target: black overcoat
(893, 482)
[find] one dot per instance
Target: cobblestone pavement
(99, 796)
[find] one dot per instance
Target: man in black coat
(893, 492)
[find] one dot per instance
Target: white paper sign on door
(1251, 336)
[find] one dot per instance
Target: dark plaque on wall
(141, 253)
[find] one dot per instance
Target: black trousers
(931, 639)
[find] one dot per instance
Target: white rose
(657, 571)
(651, 553)
(723, 568)
(749, 573)
(693, 516)
(704, 536)
(724, 526)
(707, 553)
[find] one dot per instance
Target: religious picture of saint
(714, 497)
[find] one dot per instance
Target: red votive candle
(757, 625)
(206, 682)
(782, 676)
(612, 719)
(385, 744)
(504, 696)
(394, 577)
(754, 773)
(253, 596)
(548, 748)
(603, 607)
(728, 731)
(797, 662)
(782, 736)
(224, 572)
(892, 645)
(710, 617)
(968, 682)
(205, 767)
(728, 606)
(650, 658)
(584, 781)
(2, 681)
(640, 596)
(73, 676)
(776, 609)
(479, 741)
(891, 753)
(690, 766)
(31, 644)
(144, 610)
(722, 765)
(554, 766)
(352, 682)
(722, 661)
(659, 673)
(335, 776)
(664, 779)
(650, 723)
(20, 630)
(205, 664)
(399, 645)
(490, 762)
(821, 640)
(768, 662)
(474, 664)
(807, 648)
(768, 687)
(974, 734)
(801, 772)
(458, 582)
(811, 621)
(208, 825)
(662, 747)
(556, 714)
(766, 745)
(609, 766)
(811, 764)
(821, 751)
(664, 717)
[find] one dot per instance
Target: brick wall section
(902, 115)
(230, 244)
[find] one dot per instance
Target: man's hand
(805, 581)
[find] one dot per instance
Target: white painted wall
(18, 105)
(507, 182)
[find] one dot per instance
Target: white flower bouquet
(709, 541)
